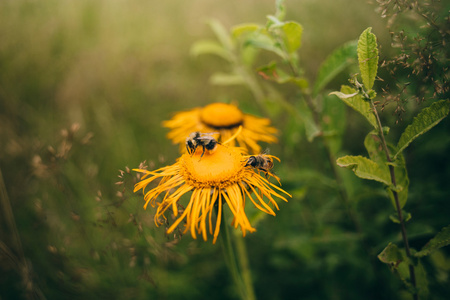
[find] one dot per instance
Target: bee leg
(204, 149)
(194, 150)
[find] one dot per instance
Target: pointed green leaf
(391, 255)
(397, 261)
(272, 72)
(266, 42)
(402, 181)
(222, 34)
(292, 36)
(373, 145)
(248, 56)
(424, 121)
(333, 122)
(280, 11)
(406, 217)
(355, 101)
(343, 95)
(365, 168)
(440, 240)
(335, 63)
(368, 57)
(376, 152)
(374, 148)
(209, 47)
(311, 129)
(421, 281)
(243, 29)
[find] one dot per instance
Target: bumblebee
(198, 139)
(261, 162)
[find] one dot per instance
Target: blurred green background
(84, 86)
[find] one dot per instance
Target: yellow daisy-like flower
(224, 119)
(220, 176)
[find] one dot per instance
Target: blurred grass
(116, 69)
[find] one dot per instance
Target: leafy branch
(390, 170)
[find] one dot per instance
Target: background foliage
(84, 86)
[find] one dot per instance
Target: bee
(198, 139)
(261, 162)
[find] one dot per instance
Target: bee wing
(205, 138)
(208, 136)
(202, 134)
(266, 151)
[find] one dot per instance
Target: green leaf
(402, 181)
(376, 152)
(421, 281)
(311, 129)
(273, 22)
(374, 148)
(266, 42)
(280, 11)
(343, 95)
(391, 255)
(399, 263)
(335, 63)
(424, 121)
(333, 120)
(355, 101)
(365, 168)
(243, 29)
(209, 47)
(272, 72)
(372, 142)
(368, 57)
(248, 56)
(406, 217)
(292, 36)
(396, 260)
(222, 34)
(440, 240)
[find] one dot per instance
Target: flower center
(220, 167)
(221, 115)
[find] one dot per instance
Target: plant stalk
(242, 257)
(412, 274)
(241, 276)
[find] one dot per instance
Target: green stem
(253, 85)
(244, 265)
(241, 279)
(412, 274)
(250, 80)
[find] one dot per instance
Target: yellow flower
(224, 119)
(220, 176)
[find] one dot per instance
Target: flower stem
(244, 265)
(412, 274)
(241, 278)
